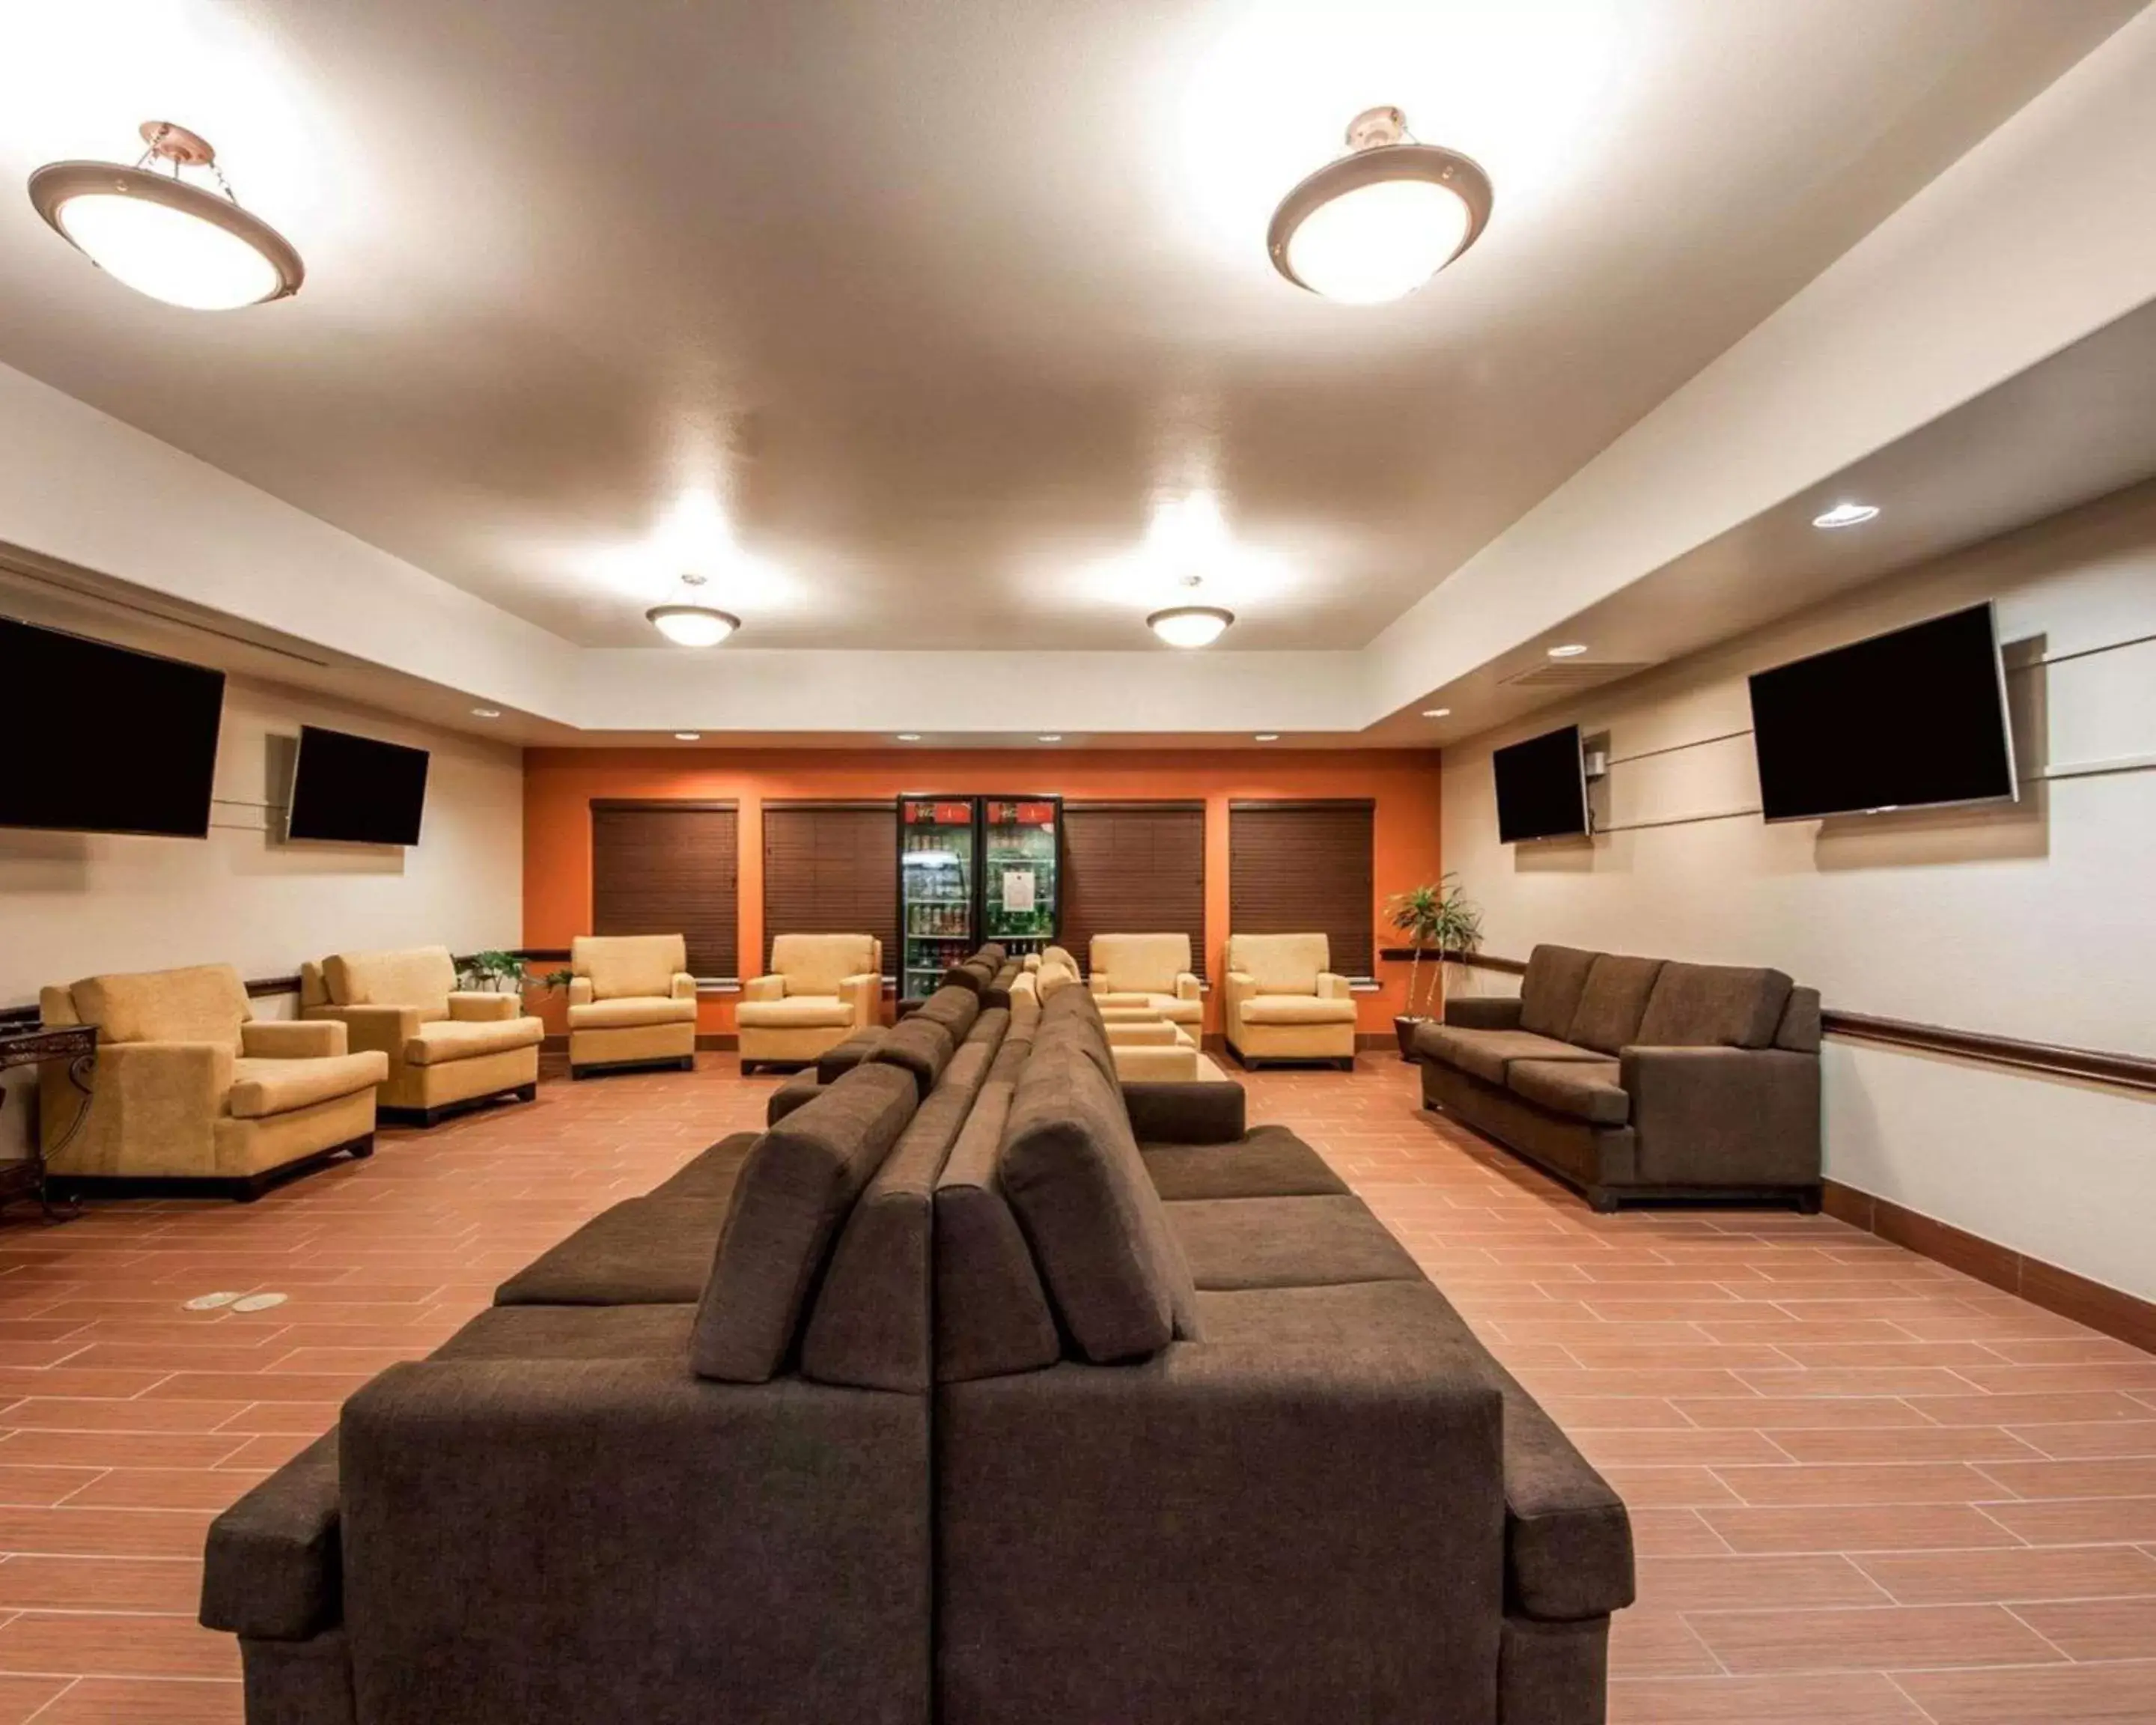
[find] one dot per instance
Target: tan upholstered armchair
(189, 1087)
(1148, 971)
(632, 1002)
(1157, 1051)
(820, 989)
(1283, 1002)
(445, 1048)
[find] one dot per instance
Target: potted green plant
(492, 974)
(1436, 918)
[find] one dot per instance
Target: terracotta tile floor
(1864, 1489)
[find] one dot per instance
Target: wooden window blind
(1134, 868)
(1297, 867)
(670, 868)
(832, 868)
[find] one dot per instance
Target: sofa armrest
(1484, 1012)
(763, 987)
(863, 992)
(581, 992)
(1140, 1487)
(383, 1028)
(1724, 1116)
(1202, 1111)
(464, 1479)
(684, 986)
(1187, 987)
(273, 1568)
(473, 1008)
(292, 1040)
(1332, 985)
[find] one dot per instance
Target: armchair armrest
(1186, 986)
(272, 1568)
(383, 1028)
(1332, 985)
(1484, 1012)
(764, 988)
(1724, 1116)
(164, 1097)
(291, 1040)
(1139, 1033)
(1205, 1111)
(863, 992)
(580, 991)
(1097, 984)
(473, 1008)
(1159, 1063)
(684, 987)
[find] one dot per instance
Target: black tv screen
(115, 741)
(1900, 721)
(355, 790)
(1541, 787)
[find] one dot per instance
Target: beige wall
(2037, 921)
(72, 904)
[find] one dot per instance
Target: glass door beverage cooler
(974, 869)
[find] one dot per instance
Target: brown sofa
(1641, 1079)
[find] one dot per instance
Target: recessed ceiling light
(1266, 736)
(486, 712)
(153, 231)
(1437, 712)
(1571, 649)
(1051, 736)
(688, 736)
(1379, 223)
(1845, 515)
(909, 736)
(1190, 625)
(692, 624)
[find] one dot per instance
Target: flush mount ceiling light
(1380, 222)
(162, 236)
(1845, 515)
(1571, 649)
(689, 624)
(1190, 625)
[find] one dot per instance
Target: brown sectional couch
(1641, 1079)
(1031, 1397)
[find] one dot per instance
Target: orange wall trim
(559, 785)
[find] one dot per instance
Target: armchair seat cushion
(1585, 1089)
(447, 1039)
(630, 1012)
(1485, 1053)
(1297, 1009)
(1172, 1007)
(261, 1088)
(796, 1011)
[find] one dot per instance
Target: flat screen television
(124, 742)
(1541, 787)
(355, 790)
(1911, 718)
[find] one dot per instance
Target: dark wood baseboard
(2124, 1316)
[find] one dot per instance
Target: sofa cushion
(1267, 1162)
(203, 1002)
(447, 1039)
(1713, 1006)
(272, 1568)
(1140, 963)
(624, 965)
(710, 1176)
(1800, 1030)
(1485, 1053)
(263, 1088)
(632, 1012)
(1585, 1089)
(1611, 1004)
(1550, 991)
(796, 1011)
(643, 1251)
(1279, 963)
(991, 1311)
(846, 1055)
(954, 1007)
(1287, 1242)
(795, 1193)
(1098, 1230)
(799, 1089)
(1297, 1010)
(424, 976)
(820, 963)
(919, 1047)
(646, 1332)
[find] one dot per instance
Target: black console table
(33, 1045)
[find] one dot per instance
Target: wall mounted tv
(1914, 718)
(354, 790)
(123, 741)
(1541, 787)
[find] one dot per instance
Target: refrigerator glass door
(935, 889)
(1019, 856)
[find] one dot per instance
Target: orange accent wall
(559, 785)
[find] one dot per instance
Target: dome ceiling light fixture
(688, 623)
(163, 236)
(1190, 625)
(1380, 222)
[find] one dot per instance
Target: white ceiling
(922, 309)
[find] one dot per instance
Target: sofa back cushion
(1072, 1020)
(203, 1002)
(794, 1196)
(1281, 963)
(423, 977)
(1140, 963)
(870, 1326)
(1053, 976)
(817, 964)
(844, 1056)
(1550, 991)
(1612, 1002)
(952, 1007)
(920, 1048)
(1800, 1030)
(1714, 1006)
(628, 966)
(992, 1317)
(1098, 1230)
(1025, 1003)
